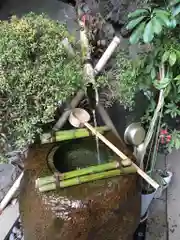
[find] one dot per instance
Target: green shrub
(122, 80)
(35, 74)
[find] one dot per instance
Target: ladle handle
(122, 155)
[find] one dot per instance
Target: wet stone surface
(101, 210)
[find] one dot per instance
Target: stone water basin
(101, 210)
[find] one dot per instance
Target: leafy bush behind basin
(35, 73)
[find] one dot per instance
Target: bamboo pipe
(87, 178)
(80, 94)
(122, 155)
(69, 134)
(107, 54)
(80, 172)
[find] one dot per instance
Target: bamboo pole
(107, 54)
(87, 178)
(80, 94)
(77, 173)
(11, 192)
(69, 134)
(153, 121)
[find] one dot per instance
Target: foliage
(146, 23)
(35, 74)
(175, 141)
(159, 27)
(124, 73)
(146, 119)
(172, 109)
(169, 139)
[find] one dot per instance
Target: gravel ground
(16, 233)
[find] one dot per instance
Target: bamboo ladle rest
(80, 117)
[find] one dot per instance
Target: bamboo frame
(80, 94)
(69, 134)
(87, 178)
(77, 173)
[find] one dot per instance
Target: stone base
(101, 210)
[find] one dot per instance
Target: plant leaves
(172, 3)
(148, 68)
(158, 11)
(165, 56)
(133, 23)
(148, 33)
(153, 73)
(157, 25)
(164, 19)
(167, 90)
(177, 78)
(172, 58)
(162, 84)
(177, 143)
(176, 10)
(137, 33)
(138, 13)
(172, 23)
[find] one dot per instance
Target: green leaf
(172, 3)
(165, 56)
(157, 25)
(172, 23)
(153, 73)
(161, 12)
(164, 19)
(167, 90)
(148, 33)
(137, 33)
(162, 84)
(168, 111)
(177, 144)
(177, 77)
(148, 68)
(172, 58)
(138, 13)
(176, 11)
(132, 24)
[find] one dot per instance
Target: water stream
(97, 139)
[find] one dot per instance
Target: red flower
(169, 137)
(164, 131)
(162, 140)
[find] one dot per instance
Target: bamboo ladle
(80, 117)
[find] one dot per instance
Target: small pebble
(11, 237)
(16, 232)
